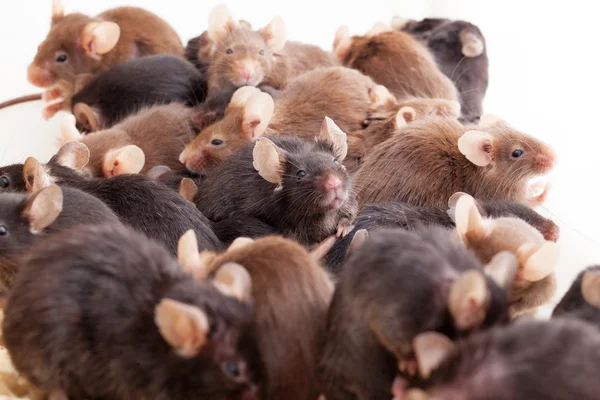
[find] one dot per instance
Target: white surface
(543, 80)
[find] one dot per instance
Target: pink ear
(58, 10)
(275, 34)
(342, 42)
(257, 115)
(380, 95)
(378, 28)
(476, 147)
(99, 38)
(125, 160)
(537, 260)
(404, 116)
(220, 23)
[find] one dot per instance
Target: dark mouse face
(11, 178)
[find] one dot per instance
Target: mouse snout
(333, 183)
(248, 73)
(544, 161)
(334, 193)
(193, 160)
(38, 76)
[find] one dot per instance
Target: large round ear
(360, 237)
(378, 28)
(43, 207)
(405, 116)
(537, 261)
(87, 117)
(74, 155)
(331, 132)
(188, 256)
(268, 159)
(220, 23)
(184, 327)
(35, 176)
(468, 300)
(68, 130)
(58, 11)
(431, 348)
(380, 95)
(476, 147)
(234, 280)
(241, 96)
(472, 45)
(487, 120)
(275, 34)
(99, 38)
(240, 242)
(590, 288)
(124, 160)
(502, 269)
(257, 114)
(159, 172)
(188, 189)
(467, 218)
(342, 42)
(398, 22)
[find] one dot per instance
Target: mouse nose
(247, 70)
(38, 76)
(333, 183)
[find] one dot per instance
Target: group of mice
(253, 218)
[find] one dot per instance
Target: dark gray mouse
(582, 300)
(395, 286)
(113, 315)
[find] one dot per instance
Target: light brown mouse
(396, 60)
(430, 160)
(240, 56)
(78, 47)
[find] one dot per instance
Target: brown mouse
(342, 94)
(153, 136)
(291, 295)
(437, 157)
(113, 315)
(395, 60)
(78, 47)
(240, 56)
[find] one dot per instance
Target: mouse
(342, 94)
(372, 320)
(28, 218)
(240, 56)
(436, 157)
(153, 136)
(78, 47)
(298, 187)
(291, 294)
(103, 285)
(395, 60)
(460, 50)
(234, 226)
(135, 199)
(505, 363)
(582, 300)
(126, 88)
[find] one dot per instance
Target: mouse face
(11, 178)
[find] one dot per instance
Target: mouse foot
(344, 227)
(51, 94)
(537, 193)
(52, 109)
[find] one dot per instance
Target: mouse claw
(344, 227)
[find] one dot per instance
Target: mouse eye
(4, 182)
(301, 173)
(231, 369)
(261, 52)
(229, 51)
(517, 153)
(61, 58)
(3, 230)
(216, 142)
(336, 162)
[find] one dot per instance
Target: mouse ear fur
(431, 348)
(476, 147)
(404, 116)
(502, 269)
(188, 256)
(275, 34)
(220, 23)
(331, 132)
(43, 207)
(537, 261)
(342, 42)
(182, 326)
(35, 176)
(58, 11)
(234, 280)
(99, 38)
(380, 95)
(86, 117)
(590, 288)
(124, 160)
(267, 160)
(468, 300)
(467, 217)
(74, 155)
(257, 114)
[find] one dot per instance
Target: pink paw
(344, 227)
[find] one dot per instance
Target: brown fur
(400, 63)
(422, 165)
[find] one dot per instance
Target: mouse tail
(22, 99)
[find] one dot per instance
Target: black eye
(3, 230)
(301, 173)
(61, 58)
(261, 52)
(517, 153)
(4, 182)
(229, 51)
(216, 142)
(231, 369)
(336, 162)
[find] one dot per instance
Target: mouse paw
(537, 193)
(52, 109)
(51, 94)
(125, 160)
(344, 227)
(408, 366)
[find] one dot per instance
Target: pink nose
(38, 76)
(246, 74)
(333, 183)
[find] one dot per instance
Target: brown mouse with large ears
(78, 47)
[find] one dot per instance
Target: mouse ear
(487, 120)
(35, 176)
(321, 249)
(398, 22)
(467, 218)
(58, 11)
(87, 117)
(331, 132)
(184, 327)
(468, 300)
(43, 207)
(124, 160)
(220, 23)
(267, 160)
(74, 155)
(590, 288)
(159, 172)
(189, 256)
(502, 269)
(360, 237)
(240, 242)
(476, 147)
(68, 130)
(275, 34)
(234, 280)
(472, 45)
(380, 95)
(537, 261)
(241, 95)
(378, 28)
(258, 111)
(99, 38)
(413, 394)
(188, 189)
(342, 42)
(431, 348)
(404, 116)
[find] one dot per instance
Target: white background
(543, 79)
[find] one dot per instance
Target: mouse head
(75, 45)
(246, 119)
(345, 45)
(23, 218)
(241, 56)
(583, 297)
(504, 152)
(308, 174)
